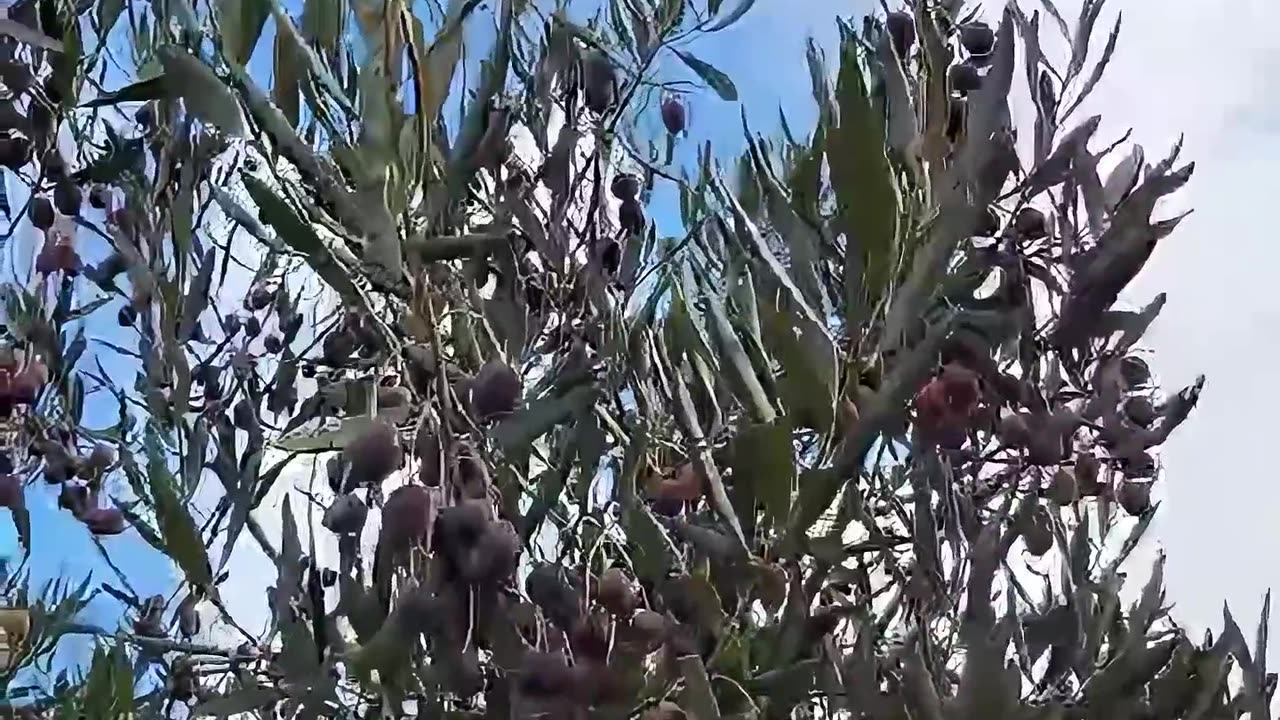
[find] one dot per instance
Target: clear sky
(1183, 66)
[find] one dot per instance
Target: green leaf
(204, 95)
(107, 13)
(717, 80)
(137, 92)
(866, 194)
(327, 440)
(524, 426)
(240, 25)
(697, 695)
(763, 462)
(651, 549)
(243, 700)
(734, 15)
(284, 86)
(181, 537)
(319, 70)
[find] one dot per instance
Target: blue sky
(1164, 79)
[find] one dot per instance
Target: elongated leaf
(718, 81)
(236, 702)
(204, 95)
(319, 70)
(284, 86)
(732, 16)
(328, 440)
(525, 426)
(137, 92)
(867, 201)
(177, 529)
(697, 689)
(763, 463)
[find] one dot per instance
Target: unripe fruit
(494, 557)
(74, 499)
(252, 325)
(544, 675)
(1030, 224)
(459, 527)
(589, 638)
(259, 298)
(346, 516)
(977, 38)
(673, 114)
(1134, 497)
(273, 344)
(650, 626)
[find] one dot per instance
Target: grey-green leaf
(204, 95)
(716, 79)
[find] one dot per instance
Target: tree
(869, 437)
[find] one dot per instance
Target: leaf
(319, 70)
(237, 213)
(867, 203)
(22, 33)
(524, 426)
(137, 92)
(243, 700)
(1123, 178)
(284, 88)
(763, 463)
(204, 95)
(697, 695)
(1098, 69)
(328, 440)
(181, 538)
(240, 23)
(718, 81)
(734, 16)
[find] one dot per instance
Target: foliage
(867, 435)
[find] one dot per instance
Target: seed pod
(558, 600)
(625, 186)
(1030, 224)
(673, 114)
(589, 638)
(58, 469)
(989, 224)
(964, 78)
(1062, 488)
(902, 32)
(1135, 372)
(473, 478)
(494, 557)
(686, 486)
(104, 521)
(600, 84)
(373, 455)
(67, 198)
(15, 152)
(273, 344)
(1086, 474)
(252, 326)
(651, 627)
(127, 316)
(977, 38)
(957, 111)
(41, 213)
(495, 391)
(631, 217)
(615, 593)
(406, 517)
(1134, 497)
(346, 516)
(337, 347)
